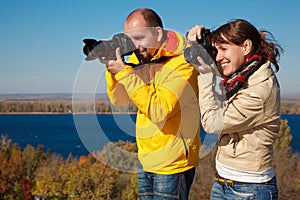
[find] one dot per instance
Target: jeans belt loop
(225, 181)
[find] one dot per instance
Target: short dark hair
(150, 16)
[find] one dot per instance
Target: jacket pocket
(228, 143)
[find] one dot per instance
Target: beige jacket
(247, 123)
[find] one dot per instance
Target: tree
(285, 163)
(11, 169)
(48, 182)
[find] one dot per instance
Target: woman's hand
(203, 68)
(195, 33)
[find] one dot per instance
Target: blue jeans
(164, 187)
(253, 191)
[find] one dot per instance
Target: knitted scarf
(230, 85)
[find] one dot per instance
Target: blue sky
(41, 41)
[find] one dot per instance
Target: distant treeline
(290, 107)
(45, 106)
(57, 106)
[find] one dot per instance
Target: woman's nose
(219, 57)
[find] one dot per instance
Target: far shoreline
(86, 113)
(59, 113)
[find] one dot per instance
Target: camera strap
(158, 60)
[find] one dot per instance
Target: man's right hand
(114, 66)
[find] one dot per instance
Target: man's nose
(136, 43)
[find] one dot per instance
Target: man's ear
(159, 31)
(247, 47)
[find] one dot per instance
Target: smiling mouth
(142, 52)
(224, 65)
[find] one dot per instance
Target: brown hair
(150, 16)
(239, 30)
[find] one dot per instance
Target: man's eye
(138, 38)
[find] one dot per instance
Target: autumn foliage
(32, 173)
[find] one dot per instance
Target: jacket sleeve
(163, 95)
(116, 91)
(245, 110)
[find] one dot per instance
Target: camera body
(203, 48)
(106, 49)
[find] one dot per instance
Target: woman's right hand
(194, 33)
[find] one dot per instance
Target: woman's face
(230, 57)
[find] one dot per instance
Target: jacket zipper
(235, 143)
(185, 146)
(231, 102)
(243, 115)
(154, 81)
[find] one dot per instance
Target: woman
(247, 121)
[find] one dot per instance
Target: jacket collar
(173, 46)
(263, 73)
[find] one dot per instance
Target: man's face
(146, 39)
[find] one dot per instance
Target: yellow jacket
(168, 118)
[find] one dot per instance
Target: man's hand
(114, 66)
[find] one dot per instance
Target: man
(163, 86)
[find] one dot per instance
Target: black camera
(203, 48)
(106, 49)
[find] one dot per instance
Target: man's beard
(146, 59)
(142, 59)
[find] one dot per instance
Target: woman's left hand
(203, 68)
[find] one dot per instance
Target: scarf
(230, 85)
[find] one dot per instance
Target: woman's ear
(247, 47)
